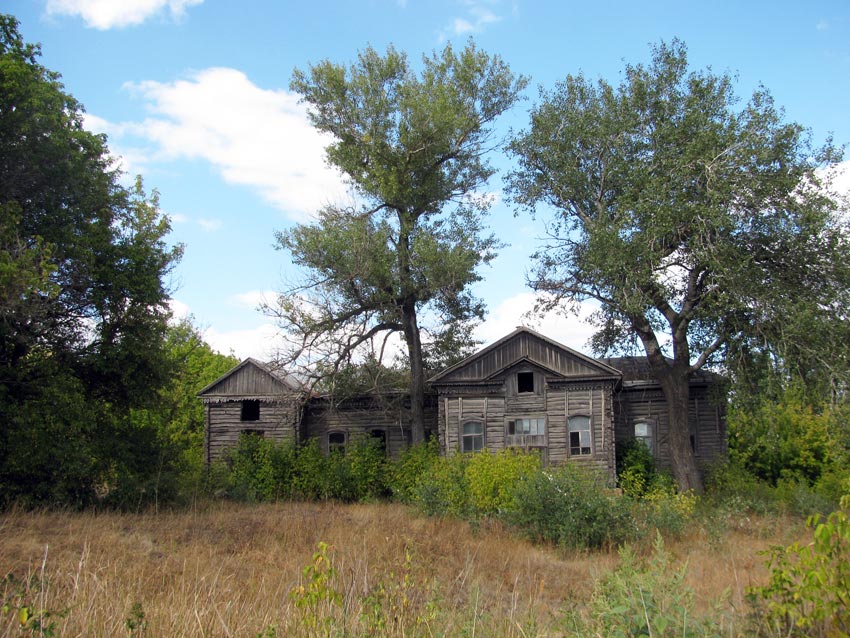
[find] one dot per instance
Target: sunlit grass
(230, 570)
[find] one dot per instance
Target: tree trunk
(676, 388)
(417, 372)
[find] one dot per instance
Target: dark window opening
(694, 444)
(250, 410)
(525, 382)
(336, 442)
(380, 436)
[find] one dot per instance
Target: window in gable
(250, 410)
(472, 439)
(580, 441)
(524, 382)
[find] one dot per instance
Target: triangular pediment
(525, 346)
(251, 379)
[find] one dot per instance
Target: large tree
(695, 223)
(413, 145)
(83, 270)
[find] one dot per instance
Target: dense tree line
(85, 344)
(706, 233)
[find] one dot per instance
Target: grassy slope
(228, 570)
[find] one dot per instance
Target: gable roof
(251, 379)
(525, 345)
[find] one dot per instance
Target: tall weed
(645, 598)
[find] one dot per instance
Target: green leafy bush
(405, 473)
(258, 469)
(808, 593)
(445, 490)
(785, 440)
(493, 479)
(571, 507)
(472, 485)
(251, 476)
(636, 471)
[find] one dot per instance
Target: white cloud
(253, 299)
(178, 309)
(255, 137)
(478, 17)
(258, 342)
(518, 310)
(210, 225)
(109, 14)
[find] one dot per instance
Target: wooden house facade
(252, 398)
(524, 391)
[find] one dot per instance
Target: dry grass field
(242, 570)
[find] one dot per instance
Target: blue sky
(193, 95)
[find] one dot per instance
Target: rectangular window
(580, 435)
(250, 411)
(527, 426)
(473, 436)
(525, 382)
(336, 442)
(643, 432)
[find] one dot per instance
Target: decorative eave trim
(265, 398)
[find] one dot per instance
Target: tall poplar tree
(412, 145)
(695, 223)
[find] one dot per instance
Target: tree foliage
(413, 147)
(83, 272)
(696, 224)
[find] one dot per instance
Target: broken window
(525, 382)
(250, 410)
(580, 442)
(527, 426)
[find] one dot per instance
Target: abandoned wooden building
(524, 390)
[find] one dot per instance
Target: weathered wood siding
(359, 417)
(523, 346)
(278, 421)
(706, 422)
(556, 402)
(594, 400)
(248, 381)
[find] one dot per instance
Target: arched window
(472, 439)
(580, 439)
